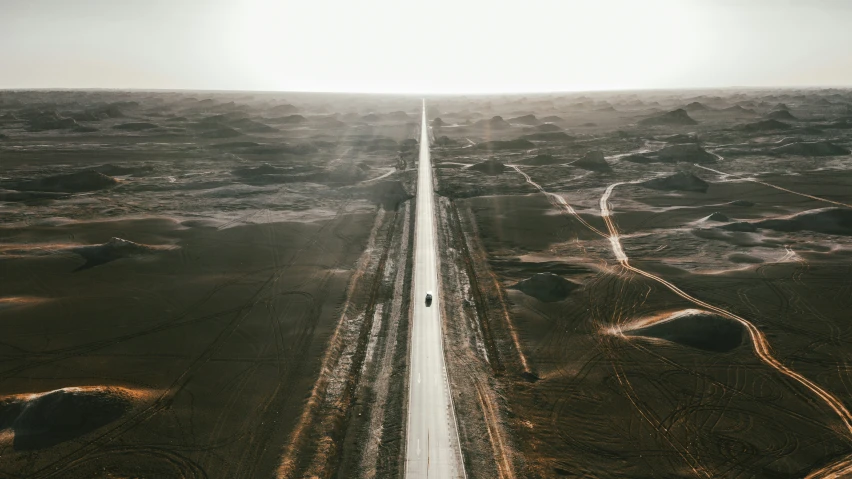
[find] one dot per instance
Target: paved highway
(432, 446)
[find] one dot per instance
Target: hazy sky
(424, 46)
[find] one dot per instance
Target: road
(432, 446)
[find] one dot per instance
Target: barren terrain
(634, 284)
(193, 283)
(662, 279)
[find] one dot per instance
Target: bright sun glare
(441, 46)
(477, 46)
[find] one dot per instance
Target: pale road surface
(432, 446)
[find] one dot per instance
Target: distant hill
(738, 110)
(495, 123)
(696, 106)
(593, 160)
(525, 120)
(681, 181)
(490, 167)
(781, 115)
(675, 117)
(547, 127)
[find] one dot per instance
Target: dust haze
(633, 284)
(455, 239)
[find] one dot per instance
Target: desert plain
(633, 284)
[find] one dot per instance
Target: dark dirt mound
(516, 144)
(288, 120)
(285, 109)
(135, 126)
(681, 181)
(699, 329)
(781, 115)
(676, 117)
(491, 167)
(551, 119)
(58, 416)
(743, 203)
(541, 160)
(782, 106)
(589, 124)
(88, 180)
(9, 117)
(495, 123)
(115, 248)
(695, 106)
(717, 216)
(438, 122)
(525, 120)
(549, 136)
(833, 221)
(690, 152)
(546, 287)
(371, 117)
(765, 125)
(593, 160)
(815, 148)
(85, 129)
(116, 170)
(547, 127)
(738, 110)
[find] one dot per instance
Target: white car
(428, 298)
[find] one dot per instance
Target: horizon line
(422, 93)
